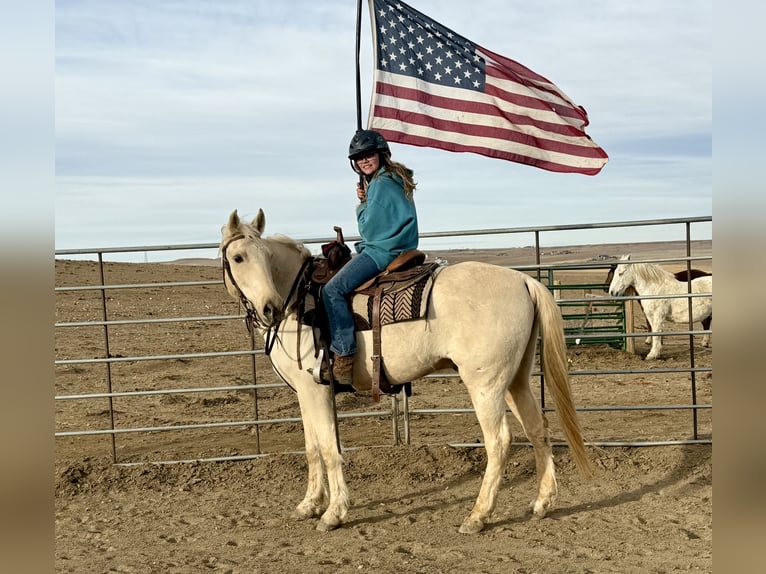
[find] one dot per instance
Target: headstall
(251, 315)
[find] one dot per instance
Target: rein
(251, 315)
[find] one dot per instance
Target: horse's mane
(290, 242)
(652, 273)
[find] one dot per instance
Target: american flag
(435, 88)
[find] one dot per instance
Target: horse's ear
(233, 223)
(259, 223)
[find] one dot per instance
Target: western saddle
(409, 271)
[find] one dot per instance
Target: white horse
(483, 320)
(649, 279)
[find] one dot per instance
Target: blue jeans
(335, 293)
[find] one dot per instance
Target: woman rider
(388, 226)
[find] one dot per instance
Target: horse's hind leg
(706, 326)
(527, 410)
(490, 410)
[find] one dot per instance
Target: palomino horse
(649, 279)
(683, 276)
(483, 320)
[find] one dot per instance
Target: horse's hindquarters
(480, 317)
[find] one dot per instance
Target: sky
(170, 114)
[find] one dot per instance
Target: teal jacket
(387, 221)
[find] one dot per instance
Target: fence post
(107, 354)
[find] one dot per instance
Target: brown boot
(343, 369)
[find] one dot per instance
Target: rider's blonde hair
(405, 173)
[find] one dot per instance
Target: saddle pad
(397, 303)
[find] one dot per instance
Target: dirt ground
(648, 509)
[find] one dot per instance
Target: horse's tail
(554, 364)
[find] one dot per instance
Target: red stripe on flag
(470, 106)
(513, 66)
(410, 139)
(475, 130)
(533, 103)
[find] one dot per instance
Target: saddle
(335, 255)
(398, 293)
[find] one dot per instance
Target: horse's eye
(238, 259)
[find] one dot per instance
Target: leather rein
(252, 320)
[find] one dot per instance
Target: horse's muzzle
(270, 315)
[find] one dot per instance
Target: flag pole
(358, 75)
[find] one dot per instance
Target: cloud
(178, 100)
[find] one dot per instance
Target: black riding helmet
(365, 141)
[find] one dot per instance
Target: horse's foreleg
(523, 404)
(339, 500)
(647, 340)
(490, 410)
(313, 503)
(330, 504)
(319, 409)
(654, 353)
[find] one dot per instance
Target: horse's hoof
(304, 513)
(323, 526)
(540, 509)
(300, 515)
(471, 526)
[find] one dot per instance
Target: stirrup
(316, 371)
(316, 374)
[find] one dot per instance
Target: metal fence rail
(399, 406)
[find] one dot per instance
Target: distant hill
(564, 254)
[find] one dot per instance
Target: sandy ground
(648, 509)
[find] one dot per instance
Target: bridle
(252, 320)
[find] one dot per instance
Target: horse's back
(479, 296)
(702, 284)
(476, 281)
